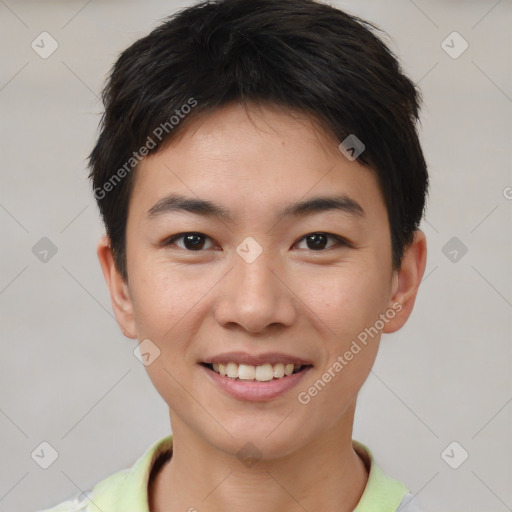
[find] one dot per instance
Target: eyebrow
(178, 203)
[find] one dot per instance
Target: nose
(255, 296)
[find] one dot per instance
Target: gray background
(69, 377)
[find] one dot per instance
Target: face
(251, 273)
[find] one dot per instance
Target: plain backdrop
(69, 378)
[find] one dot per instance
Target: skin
(292, 298)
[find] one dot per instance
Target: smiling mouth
(261, 373)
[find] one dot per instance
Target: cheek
(163, 303)
(346, 300)
(165, 306)
(349, 303)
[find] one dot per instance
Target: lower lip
(254, 390)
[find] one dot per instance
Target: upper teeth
(261, 373)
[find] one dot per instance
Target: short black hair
(300, 54)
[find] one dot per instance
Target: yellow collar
(127, 490)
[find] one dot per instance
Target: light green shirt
(127, 490)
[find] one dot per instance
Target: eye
(195, 242)
(317, 241)
(192, 241)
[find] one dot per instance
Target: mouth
(255, 377)
(261, 373)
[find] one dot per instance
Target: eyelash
(341, 241)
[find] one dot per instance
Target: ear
(406, 282)
(119, 292)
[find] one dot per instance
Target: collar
(127, 490)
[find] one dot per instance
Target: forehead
(254, 159)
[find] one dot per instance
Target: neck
(326, 474)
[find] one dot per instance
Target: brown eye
(191, 241)
(318, 241)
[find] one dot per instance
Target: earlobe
(406, 282)
(118, 288)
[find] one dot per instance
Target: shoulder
(123, 490)
(382, 493)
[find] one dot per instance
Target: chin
(264, 438)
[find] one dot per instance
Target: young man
(261, 182)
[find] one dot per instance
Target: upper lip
(256, 359)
